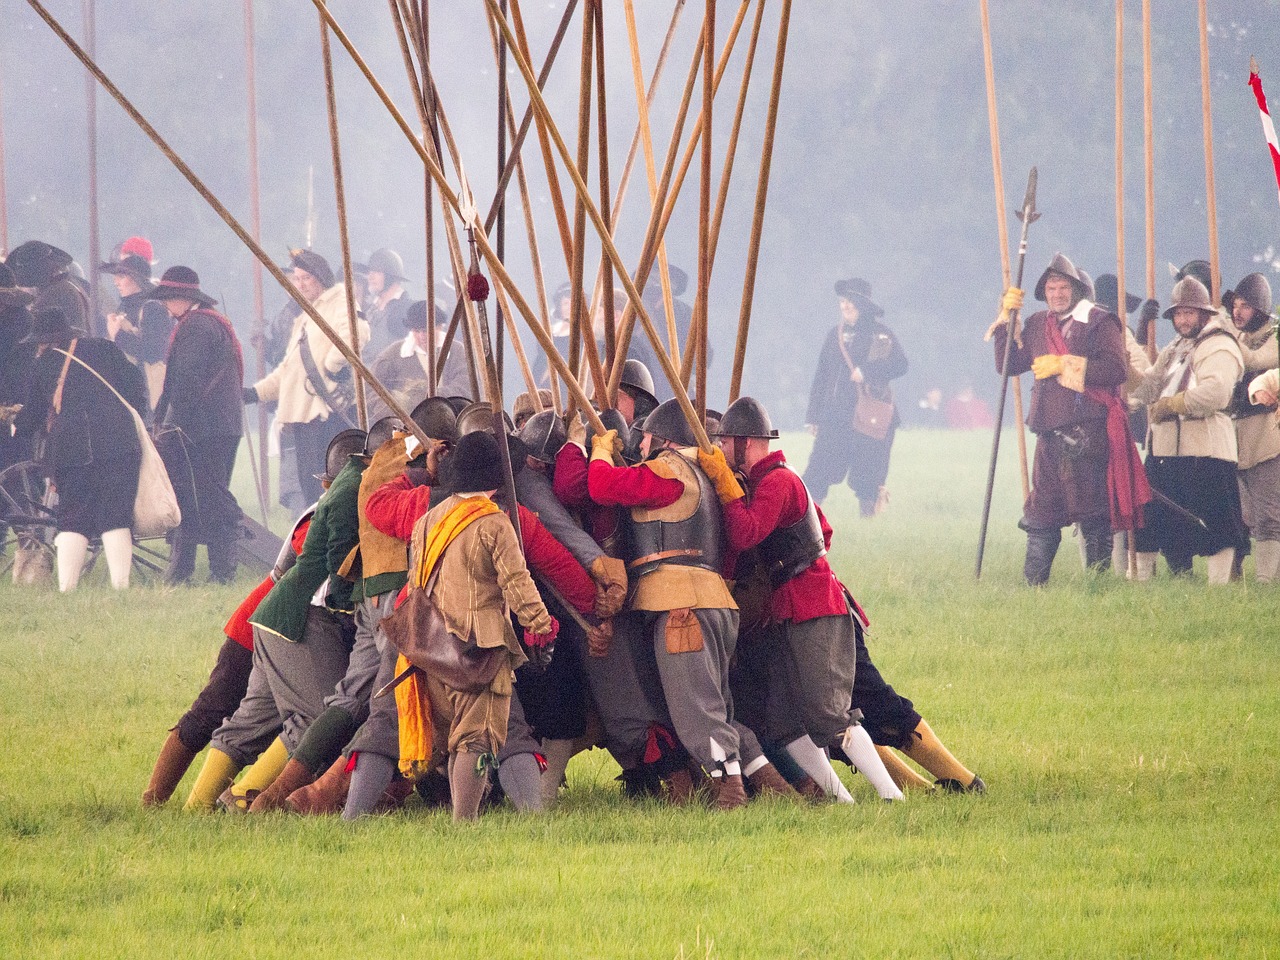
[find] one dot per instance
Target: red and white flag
(1268, 128)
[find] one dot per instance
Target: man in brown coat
(1076, 351)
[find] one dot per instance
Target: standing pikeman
(851, 412)
(1076, 351)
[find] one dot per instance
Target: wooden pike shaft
(661, 215)
(602, 150)
(1120, 291)
(449, 198)
(266, 260)
(997, 167)
(1148, 151)
(762, 190)
(89, 8)
(1211, 194)
(602, 230)
(255, 224)
(340, 195)
(4, 203)
(578, 252)
(704, 208)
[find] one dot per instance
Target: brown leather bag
(872, 417)
(418, 631)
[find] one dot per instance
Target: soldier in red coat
(821, 684)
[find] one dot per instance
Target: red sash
(1127, 487)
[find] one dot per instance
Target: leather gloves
(577, 431)
(606, 446)
(717, 469)
(1168, 408)
(610, 575)
(1012, 300)
(1047, 365)
(598, 639)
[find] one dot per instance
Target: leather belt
(664, 555)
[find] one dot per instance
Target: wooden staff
(255, 224)
(704, 208)
(762, 189)
(1211, 196)
(89, 8)
(263, 257)
(516, 145)
(602, 229)
(1148, 153)
(645, 132)
(670, 190)
(500, 234)
(339, 191)
(4, 203)
(602, 149)
(577, 254)
(428, 195)
(997, 167)
(1120, 291)
(450, 200)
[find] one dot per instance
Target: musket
(1028, 215)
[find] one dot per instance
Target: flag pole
(255, 229)
(1149, 171)
(1211, 197)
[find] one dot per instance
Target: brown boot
(294, 776)
(679, 786)
(768, 781)
(326, 795)
(395, 795)
(727, 792)
(808, 788)
(170, 766)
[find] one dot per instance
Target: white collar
(1080, 313)
(409, 347)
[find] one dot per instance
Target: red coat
(238, 628)
(636, 486)
(778, 498)
(396, 506)
(569, 482)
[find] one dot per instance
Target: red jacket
(636, 486)
(778, 498)
(569, 482)
(238, 628)
(396, 506)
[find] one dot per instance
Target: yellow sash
(411, 696)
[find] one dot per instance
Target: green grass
(1128, 737)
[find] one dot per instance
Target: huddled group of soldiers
(1204, 407)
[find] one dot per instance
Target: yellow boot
(215, 776)
(953, 776)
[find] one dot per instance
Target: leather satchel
(872, 417)
(341, 399)
(419, 632)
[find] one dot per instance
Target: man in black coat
(16, 358)
(199, 420)
(78, 403)
(851, 413)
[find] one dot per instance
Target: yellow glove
(610, 575)
(1047, 365)
(577, 431)
(716, 467)
(606, 446)
(1168, 408)
(1012, 300)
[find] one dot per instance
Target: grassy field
(1128, 737)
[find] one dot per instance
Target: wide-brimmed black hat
(1200, 269)
(1107, 291)
(12, 295)
(475, 464)
(679, 281)
(49, 323)
(131, 265)
(858, 292)
(181, 283)
(314, 264)
(37, 264)
(415, 316)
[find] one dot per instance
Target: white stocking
(810, 758)
(118, 546)
(1266, 560)
(1220, 565)
(72, 549)
(858, 747)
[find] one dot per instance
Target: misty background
(881, 168)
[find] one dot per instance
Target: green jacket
(334, 531)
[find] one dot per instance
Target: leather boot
(680, 787)
(326, 795)
(768, 781)
(182, 559)
(1096, 534)
(808, 788)
(393, 798)
(170, 766)
(1042, 546)
(467, 785)
(294, 776)
(727, 792)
